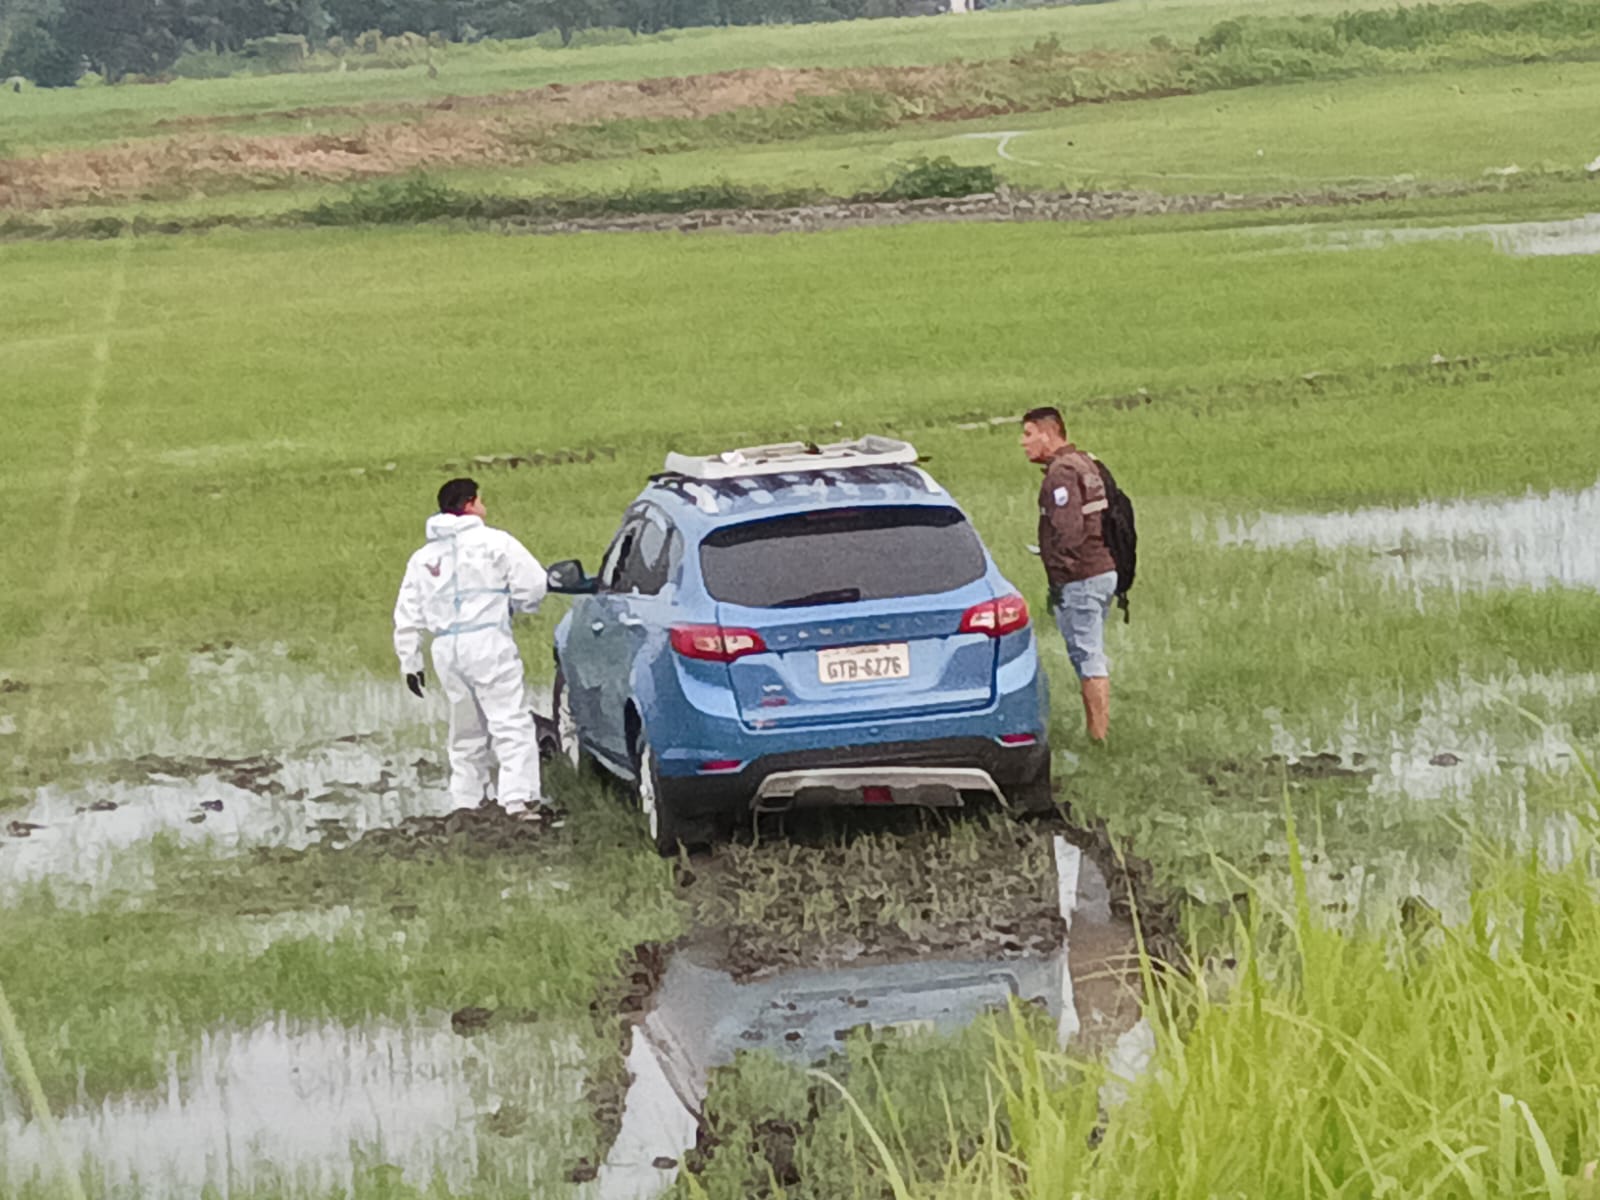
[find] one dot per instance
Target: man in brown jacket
(1082, 575)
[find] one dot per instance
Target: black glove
(414, 681)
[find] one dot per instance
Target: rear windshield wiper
(832, 596)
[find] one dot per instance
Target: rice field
(247, 948)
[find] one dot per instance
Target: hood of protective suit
(443, 525)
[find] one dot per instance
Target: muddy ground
(926, 887)
(787, 904)
(847, 891)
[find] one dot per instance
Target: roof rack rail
(783, 458)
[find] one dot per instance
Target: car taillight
(996, 617)
(715, 643)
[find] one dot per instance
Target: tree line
(54, 42)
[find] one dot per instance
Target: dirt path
(1000, 206)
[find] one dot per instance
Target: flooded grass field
(1326, 893)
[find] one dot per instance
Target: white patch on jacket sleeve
(1060, 495)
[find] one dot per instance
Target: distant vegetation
(53, 42)
(59, 43)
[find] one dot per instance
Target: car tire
(1032, 797)
(663, 823)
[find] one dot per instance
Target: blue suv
(795, 625)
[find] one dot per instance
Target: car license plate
(863, 664)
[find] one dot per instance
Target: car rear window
(839, 556)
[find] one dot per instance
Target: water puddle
(241, 750)
(1520, 239)
(703, 1017)
(1466, 733)
(1535, 541)
(300, 1105)
(1466, 753)
(83, 837)
(1461, 761)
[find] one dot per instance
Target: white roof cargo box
(784, 458)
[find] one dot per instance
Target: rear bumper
(923, 772)
(924, 787)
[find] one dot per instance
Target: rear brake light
(1018, 739)
(996, 617)
(715, 643)
(714, 765)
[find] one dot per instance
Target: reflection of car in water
(791, 626)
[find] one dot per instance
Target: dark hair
(1037, 416)
(457, 494)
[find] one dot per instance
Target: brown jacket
(1071, 501)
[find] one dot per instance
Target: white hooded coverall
(462, 588)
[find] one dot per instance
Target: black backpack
(1121, 536)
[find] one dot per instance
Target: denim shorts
(1081, 608)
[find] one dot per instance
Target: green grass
(931, 1097)
(1435, 127)
(625, 346)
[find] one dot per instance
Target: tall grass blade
(1555, 1184)
(1456, 1164)
(16, 1053)
(1507, 1175)
(897, 1182)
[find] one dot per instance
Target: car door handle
(597, 626)
(630, 622)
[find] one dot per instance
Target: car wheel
(566, 724)
(1032, 796)
(665, 827)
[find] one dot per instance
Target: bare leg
(1097, 707)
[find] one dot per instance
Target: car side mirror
(567, 578)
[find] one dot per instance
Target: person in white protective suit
(462, 587)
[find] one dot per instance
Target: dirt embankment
(602, 100)
(524, 127)
(456, 132)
